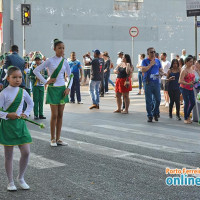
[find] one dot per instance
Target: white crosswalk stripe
(111, 152)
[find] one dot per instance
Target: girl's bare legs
(54, 116)
(119, 101)
(127, 101)
(8, 151)
(59, 121)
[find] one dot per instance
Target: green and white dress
(58, 68)
(14, 132)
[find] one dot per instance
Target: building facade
(84, 25)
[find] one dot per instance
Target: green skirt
(14, 132)
(55, 95)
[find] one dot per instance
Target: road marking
(151, 134)
(36, 161)
(111, 152)
(125, 141)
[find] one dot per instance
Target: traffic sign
(193, 8)
(134, 31)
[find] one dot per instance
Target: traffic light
(26, 14)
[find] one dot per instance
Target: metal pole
(132, 48)
(195, 22)
(11, 23)
(24, 42)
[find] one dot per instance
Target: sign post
(193, 9)
(133, 31)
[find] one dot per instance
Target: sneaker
(42, 117)
(163, 104)
(150, 119)
(72, 101)
(156, 118)
(11, 187)
(60, 142)
(106, 92)
(167, 105)
(178, 118)
(79, 102)
(53, 143)
(93, 106)
(36, 118)
(138, 93)
(23, 184)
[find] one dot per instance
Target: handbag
(127, 82)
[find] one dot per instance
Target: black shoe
(72, 101)
(150, 119)
(102, 95)
(158, 115)
(42, 117)
(156, 118)
(35, 117)
(97, 106)
(178, 118)
(170, 115)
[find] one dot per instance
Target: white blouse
(52, 64)
(8, 95)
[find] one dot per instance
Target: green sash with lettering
(55, 93)
(14, 132)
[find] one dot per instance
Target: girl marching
(13, 129)
(57, 93)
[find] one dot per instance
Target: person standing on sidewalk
(152, 68)
(173, 75)
(38, 89)
(186, 80)
(96, 78)
(87, 66)
(76, 70)
(165, 65)
(140, 76)
(106, 70)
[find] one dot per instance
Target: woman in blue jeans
(186, 81)
(140, 76)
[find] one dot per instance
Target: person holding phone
(173, 75)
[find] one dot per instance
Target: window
(127, 5)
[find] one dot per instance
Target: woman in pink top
(186, 81)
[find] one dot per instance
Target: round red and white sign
(134, 31)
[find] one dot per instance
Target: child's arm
(68, 71)
(37, 70)
(2, 101)
(29, 102)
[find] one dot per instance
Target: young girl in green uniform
(57, 92)
(13, 129)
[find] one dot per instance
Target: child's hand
(23, 115)
(12, 116)
(66, 92)
(52, 80)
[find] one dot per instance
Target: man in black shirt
(97, 67)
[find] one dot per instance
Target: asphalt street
(109, 156)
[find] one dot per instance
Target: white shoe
(53, 143)
(106, 92)
(11, 187)
(23, 184)
(163, 104)
(167, 105)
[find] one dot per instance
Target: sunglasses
(152, 52)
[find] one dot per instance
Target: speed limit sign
(134, 31)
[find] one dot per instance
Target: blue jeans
(110, 81)
(189, 101)
(106, 78)
(152, 93)
(94, 91)
(75, 89)
(140, 77)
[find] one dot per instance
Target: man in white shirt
(165, 65)
(184, 56)
(120, 55)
